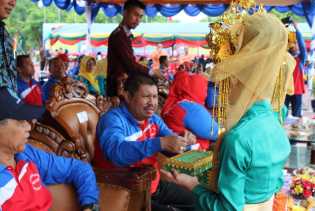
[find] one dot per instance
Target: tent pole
(88, 13)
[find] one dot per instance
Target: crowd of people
(131, 133)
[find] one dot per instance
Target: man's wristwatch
(93, 207)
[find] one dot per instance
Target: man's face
(14, 135)
(6, 7)
(57, 68)
(132, 17)
(28, 69)
(144, 102)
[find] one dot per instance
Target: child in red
(29, 90)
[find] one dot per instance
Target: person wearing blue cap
(25, 170)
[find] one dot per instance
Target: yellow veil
(90, 76)
(101, 68)
(255, 66)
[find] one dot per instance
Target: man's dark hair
(20, 60)
(133, 3)
(162, 59)
(133, 82)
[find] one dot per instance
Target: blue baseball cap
(12, 108)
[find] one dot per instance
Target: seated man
(132, 135)
(29, 89)
(25, 170)
(57, 70)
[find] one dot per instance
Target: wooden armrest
(48, 139)
(137, 179)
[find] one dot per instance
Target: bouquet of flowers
(303, 183)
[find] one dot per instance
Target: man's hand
(175, 144)
(183, 180)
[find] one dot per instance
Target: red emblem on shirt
(35, 181)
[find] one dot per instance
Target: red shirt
(24, 191)
(298, 78)
(147, 131)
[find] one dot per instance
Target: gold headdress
(224, 40)
(292, 39)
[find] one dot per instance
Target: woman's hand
(184, 180)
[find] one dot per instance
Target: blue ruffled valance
(306, 8)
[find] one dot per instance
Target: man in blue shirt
(132, 135)
(57, 70)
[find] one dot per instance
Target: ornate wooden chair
(77, 113)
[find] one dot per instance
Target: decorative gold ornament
(246, 4)
(292, 40)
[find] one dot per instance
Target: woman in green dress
(255, 147)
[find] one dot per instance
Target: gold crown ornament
(292, 39)
(223, 38)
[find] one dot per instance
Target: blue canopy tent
(170, 8)
(300, 8)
